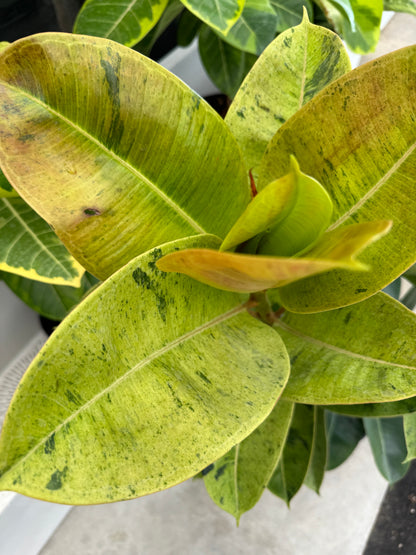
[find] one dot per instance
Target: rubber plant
(232, 33)
(241, 263)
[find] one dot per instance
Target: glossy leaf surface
(238, 479)
(358, 21)
(150, 379)
(218, 14)
(317, 464)
(357, 138)
(293, 69)
(388, 446)
(128, 143)
(364, 353)
(29, 248)
(343, 436)
(289, 12)
(117, 20)
(251, 273)
(294, 462)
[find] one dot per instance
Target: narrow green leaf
(317, 463)
(188, 28)
(405, 6)
(358, 139)
(218, 14)
(293, 69)
(128, 142)
(29, 248)
(377, 410)
(388, 446)
(343, 436)
(364, 353)
(227, 66)
(358, 21)
(294, 462)
(289, 12)
(149, 380)
(409, 427)
(238, 479)
(6, 190)
(255, 28)
(52, 301)
(126, 23)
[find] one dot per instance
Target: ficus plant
(238, 323)
(232, 33)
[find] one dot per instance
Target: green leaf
(6, 190)
(358, 21)
(409, 300)
(172, 10)
(218, 14)
(29, 248)
(255, 28)
(188, 28)
(150, 379)
(357, 138)
(371, 410)
(409, 428)
(292, 70)
(317, 463)
(226, 66)
(358, 354)
(393, 289)
(126, 23)
(343, 436)
(294, 462)
(52, 301)
(3, 45)
(289, 12)
(238, 479)
(128, 142)
(388, 446)
(405, 6)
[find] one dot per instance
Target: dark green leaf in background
(289, 12)
(317, 463)
(343, 436)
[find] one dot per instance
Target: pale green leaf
(388, 446)
(218, 14)
(317, 464)
(343, 435)
(226, 66)
(140, 157)
(405, 6)
(118, 20)
(238, 479)
(255, 28)
(364, 353)
(357, 138)
(297, 452)
(289, 12)
(358, 21)
(293, 69)
(251, 273)
(149, 380)
(409, 428)
(29, 248)
(3, 45)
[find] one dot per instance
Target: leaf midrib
(147, 360)
(114, 156)
(339, 350)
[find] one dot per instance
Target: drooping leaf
(343, 436)
(358, 21)
(289, 12)
(388, 446)
(238, 479)
(409, 428)
(149, 380)
(358, 139)
(142, 159)
(377, 410)
(188, 28)
(29, 248)
(126, 23)
(218, 14)
(226, 66)
(317, 464)
(364, 353)
(294, 462)
(251, 273)
(291, 213)
(405, 6)
(255, 28)
(6, 190)
(51, 301)
(293, 69)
